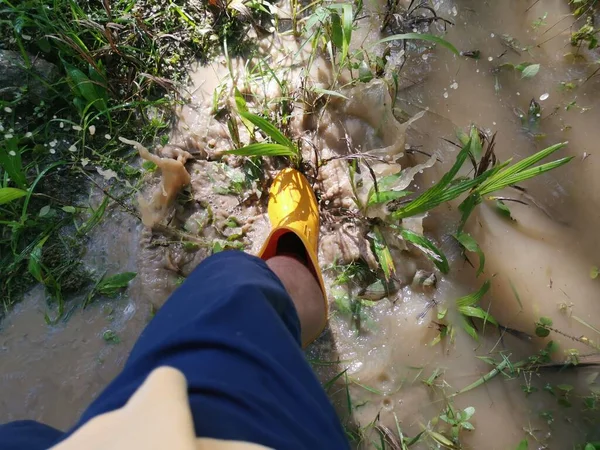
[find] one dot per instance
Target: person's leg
(305, 293)
(233, 330)
(28, 435)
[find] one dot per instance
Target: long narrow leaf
(429, 199)
(470, 244)
(526, 174)
(380, 197)
(10, 161)
(426, 246)
(268, 128)
(472, 299)
(383, 254)
(8, 194)
(495, 181)
(318, 90)
(487, 377)
(478, 312)
(469, 328)
(262, 149)
(421, 37)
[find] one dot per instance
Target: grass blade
(526, 174)
(383, 254)
(421, 37)
(113, 283)
(262, 149)
(10, 161)
(268, 128)
(487, 377)
(472, 299)
(491, 184)
(331, 382)
(8, 194)
(470, 244)
(377, 198)
(469, 328)
(318, 90)
(426, 246)
(478, 312)
(433, 196)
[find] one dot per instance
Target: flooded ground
(392, 374)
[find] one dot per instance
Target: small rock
(14, 75)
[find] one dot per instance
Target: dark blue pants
(232, 329)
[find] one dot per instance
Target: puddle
(393, 372)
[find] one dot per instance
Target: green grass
(120, 66)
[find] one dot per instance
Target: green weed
(118, 67)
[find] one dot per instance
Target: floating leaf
(111, 337)
(472, 299)
(523, 445)
(469, 328)
(542, 331)
(478, 312)
(110, 285)
(530, 71)
(503, 210)
(426, 246)
(546, 321)
(594, 272)
(470, 244)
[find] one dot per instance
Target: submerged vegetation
(118, 69)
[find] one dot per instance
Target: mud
(393, 371)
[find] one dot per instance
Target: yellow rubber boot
(293, 208)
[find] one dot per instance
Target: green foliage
(471, 245)
(586, 34)
(527, 69)
(9, 194)
(458, 420)
(469, 309)
(113, 77)
(382, 252)
(113, 284)
(426, 246)
(443, 191)
(330, 27)
(110, 337)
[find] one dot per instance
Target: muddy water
(51, 373)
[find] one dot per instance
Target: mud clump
(174, 177)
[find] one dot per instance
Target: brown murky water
(545, 255)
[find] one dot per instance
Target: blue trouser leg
(232, 329)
